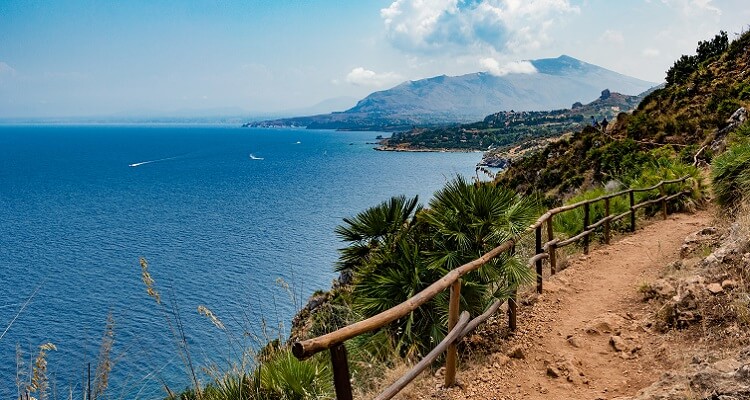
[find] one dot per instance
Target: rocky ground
(659, 314)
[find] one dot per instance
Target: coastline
(424, 150)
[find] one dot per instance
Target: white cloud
(612, 37)
(514, 67)
(437, 25)
(694, 7)
(6, 69)
(651, 52)
(364, 77)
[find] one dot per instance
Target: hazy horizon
(89, 59)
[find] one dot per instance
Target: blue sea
(238, 220)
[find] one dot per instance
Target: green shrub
(731, 175)
(664, 164)
(570, 222)
(667, 166)
(641, 125)
(621, 158)
(285, 377)
(740, 135)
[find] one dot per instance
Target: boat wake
(138, 164)
(252, 157)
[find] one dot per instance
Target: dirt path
(588, 335)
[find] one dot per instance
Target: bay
(238, 220)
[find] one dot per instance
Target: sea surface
(238, 220)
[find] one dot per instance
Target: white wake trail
(138, 164)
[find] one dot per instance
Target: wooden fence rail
(459, 324)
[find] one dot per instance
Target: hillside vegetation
(505, 129)
(689, 117)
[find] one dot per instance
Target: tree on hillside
(707, 50)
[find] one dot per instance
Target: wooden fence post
(451, 356)
(606, 223)
(663, 194)
(512, 307)
(586, 222)
(341, 372)
(632, 210)
(512, 310)
(551, 247)
(539, 262)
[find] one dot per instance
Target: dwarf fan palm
(397, 276)
(399, 258)
(469, 220)
(376, 228)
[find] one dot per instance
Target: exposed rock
(715, 288)
(738, 117)
(732, 249)
(727, 365)
(704, 237)
(660, 289)
(516, 352)
(572, 372)
(499, 360)
(495, 160)
(728, 284)
(681, 310)
(568, 367)
(573, 341)
(726, 379)
(605, 324)
(735, 120)
(315, 301)
(618, 343)
(346, 277)
(670, 386)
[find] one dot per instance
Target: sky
(96, 58)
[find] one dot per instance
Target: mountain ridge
(556, 83)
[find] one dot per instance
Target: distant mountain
(557, 83)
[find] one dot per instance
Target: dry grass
(39, 379)
(104, 362)
(387, 377)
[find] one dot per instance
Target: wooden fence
(460, 324)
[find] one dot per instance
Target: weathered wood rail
(459, 324)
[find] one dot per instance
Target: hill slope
(510, 128)
(556, 83)
(688, 114)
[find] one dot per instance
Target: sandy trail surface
(587, 336)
